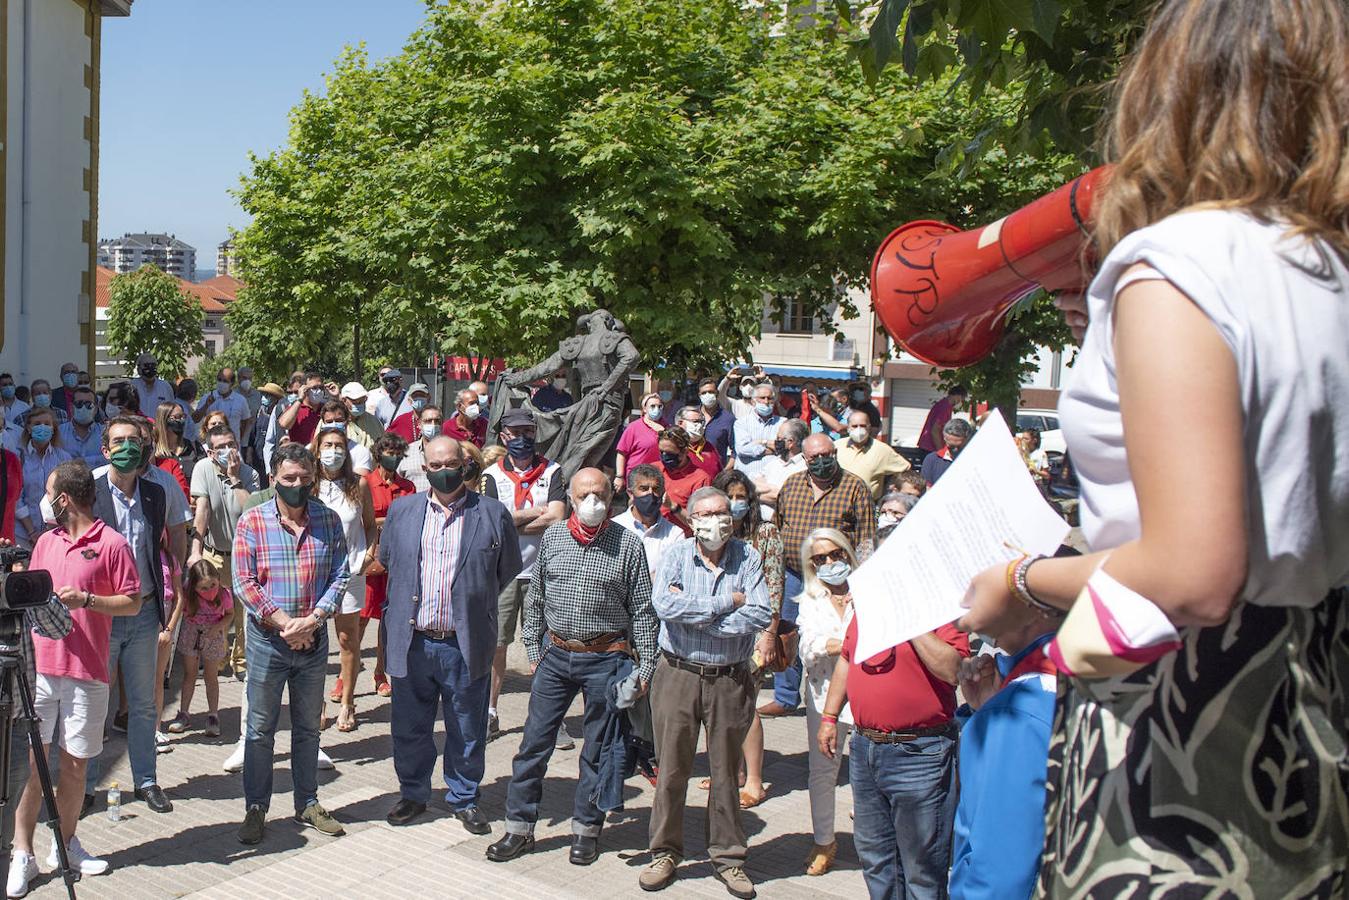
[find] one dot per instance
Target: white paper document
(985, 510)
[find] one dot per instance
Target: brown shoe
(659, 874)
(821, 858)
(774, 709)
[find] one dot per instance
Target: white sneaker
(325, 761)
(235, 763)
(80, 860)
(22, 870)
(162, 743)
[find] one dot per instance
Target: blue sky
(191, 86)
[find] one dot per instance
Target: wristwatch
(320, 614)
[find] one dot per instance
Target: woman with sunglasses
(902, 758)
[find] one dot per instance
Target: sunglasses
(84, 404)
(822, 559)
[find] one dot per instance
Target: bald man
(587, 614)
(448, 551)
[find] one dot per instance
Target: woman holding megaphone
(1200, 735)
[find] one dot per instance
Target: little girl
(207, 607)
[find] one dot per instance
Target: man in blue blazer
(448, 552)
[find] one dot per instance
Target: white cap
(419, 388)
(353, 389)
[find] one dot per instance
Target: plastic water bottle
(114, 803)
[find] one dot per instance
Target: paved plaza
(192, 852)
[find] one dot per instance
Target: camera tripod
(11, 673)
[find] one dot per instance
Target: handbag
(1111, 631)
(788, 640)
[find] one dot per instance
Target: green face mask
(294, 495)
(126, 457)
(390, 463)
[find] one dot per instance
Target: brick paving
(192, 852)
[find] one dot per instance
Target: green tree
(516, 165)
(148, 312)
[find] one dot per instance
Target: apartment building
(131, 251)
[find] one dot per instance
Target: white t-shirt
(152, 395)
(1282, 306)
(655, 540)
(235, 408)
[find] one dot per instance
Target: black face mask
(669, 460)
(780, 448)
(176, 426)
(648, 505)
(446, 481)
(390, 463)
(149, 371)
(294, 495)
(471, 472)
(823, 467)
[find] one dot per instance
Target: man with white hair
(756, 433)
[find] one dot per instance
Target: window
(210, 349)
(795, 317)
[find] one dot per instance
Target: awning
(815, 373)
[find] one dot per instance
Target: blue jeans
(438, 680)
(134, 644)
(787, 683)
(560, 675)
(272, 667)
(904, 800)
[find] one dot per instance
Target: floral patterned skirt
(1219, 771)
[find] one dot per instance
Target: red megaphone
(943, 294)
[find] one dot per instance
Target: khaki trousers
(682, 705)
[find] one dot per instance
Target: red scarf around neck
(524, 481)
(583, 533)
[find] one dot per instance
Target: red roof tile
(213, 297)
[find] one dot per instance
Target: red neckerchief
(945, 453)
(524, 481)
(1034, 661)
(585, 535)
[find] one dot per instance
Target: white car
(1045, 421)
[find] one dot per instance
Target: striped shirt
(580, 592)
(846, 506)
(699, 620)
(275, 569)
(441, 530)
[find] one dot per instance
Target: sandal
(213, 726)
(382, 686)
(821, 858)
(749, 801)
(346, 719)
(178, 724)
(336, 695)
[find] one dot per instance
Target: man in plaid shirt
(290, 569)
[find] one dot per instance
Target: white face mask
(859, 434)
(834, 573)
(712, 531)
(695, 429)
(709, 398)
(886, 519)
(332, 457)
(482, 400)
(430, 431)
(48, 510)
(472, 411)
(747, 390)
(591, 511)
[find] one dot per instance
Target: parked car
(1045, 421)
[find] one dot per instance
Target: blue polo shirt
(718, 432)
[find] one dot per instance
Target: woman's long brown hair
(1235, 104)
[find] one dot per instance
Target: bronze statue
(599, 360)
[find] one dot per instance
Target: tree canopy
(149, 312)
(521, 162)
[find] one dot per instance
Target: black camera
(21, 590)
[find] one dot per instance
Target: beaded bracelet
(826, 717)
(1016, 584)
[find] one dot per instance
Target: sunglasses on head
(821, 559)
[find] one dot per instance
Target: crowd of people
(1164, 715)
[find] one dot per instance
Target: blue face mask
(41, 433)
(84, 415)
(70, 379)
(42, 400)
(739, 508)
(419, 404)
(7, 392)
(520, 447)
(763, 409)
(358, 409)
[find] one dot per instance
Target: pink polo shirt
(640, 444)
(99, 562)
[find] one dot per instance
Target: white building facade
(49, 126)
(131, 251)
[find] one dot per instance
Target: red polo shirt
(706, 458)
(13, 491)
(406, 426)
(476, 433)
(894, 691)
(306, 420)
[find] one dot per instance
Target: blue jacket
(489, 558)
(1000, 820)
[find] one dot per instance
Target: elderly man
(823, 496)
(702, 454)
(785, 461)
(756, 432)
(225, 400)
(871, 460)
(290, 569)
(405, 423)
(413, 466)
(589, 602)
(448, 552)
(956, 434)
(941, 412)
(150, 388)
(301, 420)
(712, 602)
(468, 423)
(363, 427)
(249, 392)
(389, 399)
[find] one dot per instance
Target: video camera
(21, 590)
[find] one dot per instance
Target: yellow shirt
(873, 466)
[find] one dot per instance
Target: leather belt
(902, 737)
(613, 642)
(702, 670)
(432, 634)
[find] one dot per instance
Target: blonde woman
(339, 488)
(1219, 316)
(827, 559)
(40, 452)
